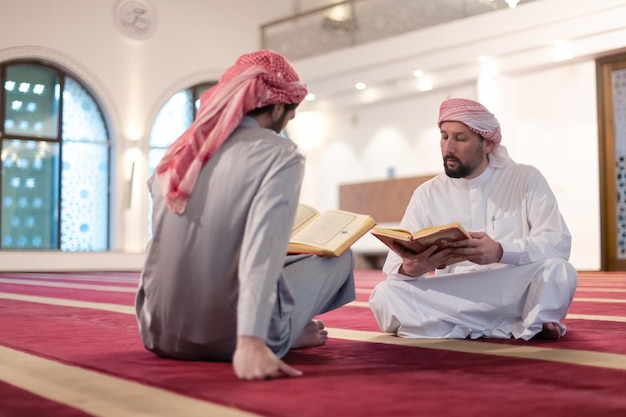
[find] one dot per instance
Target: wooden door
(611, 75)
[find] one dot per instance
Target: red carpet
(343, 378)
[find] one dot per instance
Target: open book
(422, 239)
(328, 234)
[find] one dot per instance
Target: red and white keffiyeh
(256, 80)
(479, 120)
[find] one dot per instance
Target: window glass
(30, 194)
(173, 118)
(84, 197)
(84, 173)
(82, 120)
(55, 185)
(31, 101)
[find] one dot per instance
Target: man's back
(194, 258)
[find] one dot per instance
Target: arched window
(55, 162)
(171, 121)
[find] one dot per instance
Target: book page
(304, 214)
(435, 229)
(330, 233)
(392, 232)
(324, 228)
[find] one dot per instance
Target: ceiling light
(340, 13)
(512, 3)
(425, 84)
(562, 51)
(418, 73)
(360, 86)
(310, 97)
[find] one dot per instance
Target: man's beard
(462, 170)
(277, 126)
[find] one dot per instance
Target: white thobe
(532, 284)
(220, 269)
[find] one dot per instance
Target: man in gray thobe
(217, 283)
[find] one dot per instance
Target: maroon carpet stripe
(386, 379)
(581, 335)
(598, 308)
(592, 293)
(347, 317)
(16, 402)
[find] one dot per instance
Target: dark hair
(270, 107)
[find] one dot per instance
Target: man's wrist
(243, 341)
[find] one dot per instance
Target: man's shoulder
(263, 146)
(521, 173)
(262, 136)
(516, 168)
(432, 185)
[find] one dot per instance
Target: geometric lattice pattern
(362, 21)
(84, 173)
(619, 114)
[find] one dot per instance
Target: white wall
(362, 144)
(551, 122)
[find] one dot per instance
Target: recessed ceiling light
(360, 86)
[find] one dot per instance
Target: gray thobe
(220, 269)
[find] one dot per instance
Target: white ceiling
(512, 40)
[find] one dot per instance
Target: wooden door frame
(606, 144)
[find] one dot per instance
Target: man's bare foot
(312, 335)
(551, 331)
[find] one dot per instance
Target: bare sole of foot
(551, 331)
(312, 335)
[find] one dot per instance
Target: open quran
(327, 234)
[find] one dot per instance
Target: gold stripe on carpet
(74, 286)
(116, 308)
(580, 289)
(599, 300)
(570, 356)
(363, 304)
(100, 394)
(596, 317)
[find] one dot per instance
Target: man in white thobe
(217, 283)
(517, 281)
